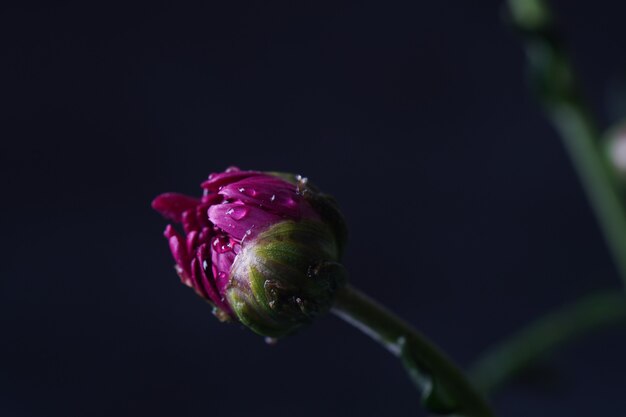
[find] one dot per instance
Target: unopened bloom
(617, 149)
(262, 248)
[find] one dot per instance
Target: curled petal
(205, 235)
(210, 198)
(208, 282)
(222, 259)
(179, 252)
(173, 205)
(192, 241)
(196, 280)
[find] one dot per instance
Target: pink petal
(216, 181)
(173, 205)
(196, 279)
(222, 257)
(239, 221)
(177, 248)
(270, 194)
(209, 284)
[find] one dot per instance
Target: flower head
(262, 248)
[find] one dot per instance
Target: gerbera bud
(262, 248)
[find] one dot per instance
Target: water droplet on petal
(251, 192)
(237, 213)
(222, 244)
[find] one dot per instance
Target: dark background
(466, 216)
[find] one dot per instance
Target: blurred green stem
(553, 78)
(445, 388)
(549, 332)
(556, 86)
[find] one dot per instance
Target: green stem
(507, 359)
(445, 388)
(558, 89)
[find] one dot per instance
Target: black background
(465, 213)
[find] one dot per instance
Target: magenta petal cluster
(235, 207)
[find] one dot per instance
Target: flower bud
(616, 147)
(262, 248)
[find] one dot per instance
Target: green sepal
(285, 277)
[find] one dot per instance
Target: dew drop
(237, 213)
(249, 191)
(273, 198)
(222, 244)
